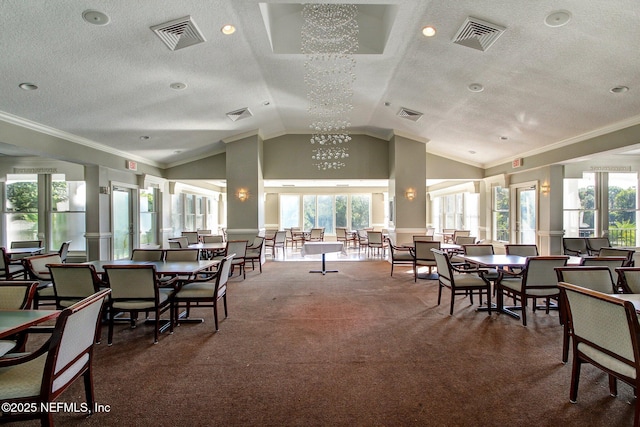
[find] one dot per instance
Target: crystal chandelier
(329, 41)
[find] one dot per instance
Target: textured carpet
(353, 348)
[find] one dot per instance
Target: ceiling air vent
(242, 113)
(405, 113)
(478, 34)
(179, 33)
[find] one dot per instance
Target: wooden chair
(629, 279)
(342, 235)
(182, 242)
(9, 271)
(400, 255)
(605, 333)
(377, 242)
(254, 252)
(491, 274)
(278, 242)
(612, 262)
(147, 254)
(316, 235)
(199, 294)
(423, 256)
(594, 244)
(616, 252)
(42, 376)
(237, 248)
(537, 279)
(182, 254)
(73, 282)
(16, 258)
(460, 282)
(575, 246)
(64, 250)
(36, 269)
(16, 295)
(363, 241)
(457, 234)
(597, 278)
(135, 289)
(521, 249)
(192, 237)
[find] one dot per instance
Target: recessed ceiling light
(387, 104)
(178, 86)
(265, 103)
(476, 87)
(177, 152)
(144, 137)
(472, 152)
(428, 31)
(94, 17)
(558, 18)
(503, 138)
(228, 29)
(27, 86)
(619, 89)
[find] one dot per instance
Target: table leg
(324, 268)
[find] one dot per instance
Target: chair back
(464, 240)
(182, 242)
(237, 247)
(341, 233)
(73, 282)
(4, 258)
(174, 244)
(477, 250)
(443, 266)
(257, 242)
(521, 250)
(540, 273)
(224, 270)
(597, 278)
(460, 233)
(594, 244)
(203, 231)
(147, 254)
(604, 327)
(374, 238)
(17, 295)
(181, 254)
(316, 234)
(424, 250)
(629, 278)
(132, 281)
(71, 345)
(26, 244)
(281, 237)
(612, 262)
(431, 231)
(628, 253)
(421, 238)
(64, 250)
(212, 239)
(36, 265)
(575, 246)
(192, 237)
(362, 235)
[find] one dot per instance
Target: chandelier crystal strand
(329, 41)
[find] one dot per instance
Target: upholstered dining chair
(465, 240)
(399, 255)
(147, 254)
(36, 268)
(16, 244)
(16, 295)
(521, 249)
(316, 235)
(135, 289)
(423, 256)
(628, 253)
(612, 262)
(182, 242)
(537, 279)
(182, 254)
(342, 235)
(278, 242)
(73, 282)
(9, 271)
(237, 248)
(214, 238)
(40, 377)
(490, 274)
(64, 250)
(376, 241)
(605, 332)
(460, 282)
(575, 246)
(594, 244)
(200, 293)
(254, 252)
(363, 241)
(192, 237)
(629, 279)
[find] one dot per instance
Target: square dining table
(14, 321)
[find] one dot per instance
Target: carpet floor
(353, 348)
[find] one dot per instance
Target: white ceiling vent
(405, 113)
(179, 33)
(242, 113)
(478, 34)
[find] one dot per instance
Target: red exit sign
(516, 163)
(131, 165)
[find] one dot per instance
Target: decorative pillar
(245, 189)
(98, 213)
(407, 189)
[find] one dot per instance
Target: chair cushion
(468, 281)
(163, 296)
(22, 380)
(46, 291)
(516, 285)
(402, 256)
(606, 360)
(197, 290)
(6, 346)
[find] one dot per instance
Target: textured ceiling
(109, 85)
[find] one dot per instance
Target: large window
(579, 198)
(457, 211)
(68, 213)
(325, 211)
(500, 213)
(21, 207)
(623, 213)
(177, 214)
(148, 216)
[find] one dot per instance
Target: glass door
(122, 222)
(526, 215)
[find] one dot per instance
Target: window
(623, 213)
(289, 210)
(200, 212)
(190, 213)
(21, 207)
(177, 214)
(579, 205)
(341, 211)
(325, 211)
(148, 217)
(308, 212)
(457, 211)
(500, 213)
(360, 211)
(68, 214)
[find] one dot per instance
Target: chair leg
(575, 379)
(215, 314)
(88, 389)
(523, 312)
(613, 386)
(110, 332)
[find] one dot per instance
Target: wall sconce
(410, 194)
(242, 194)
(544, 189)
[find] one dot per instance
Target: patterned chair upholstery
(16, 295)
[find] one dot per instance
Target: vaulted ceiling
(549, 77)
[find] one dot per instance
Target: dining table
(323, 248)
(179, 268)
(14, 321)
(213, 248)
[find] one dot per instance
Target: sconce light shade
(243, 194)
(544, 189)
(410, 194)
